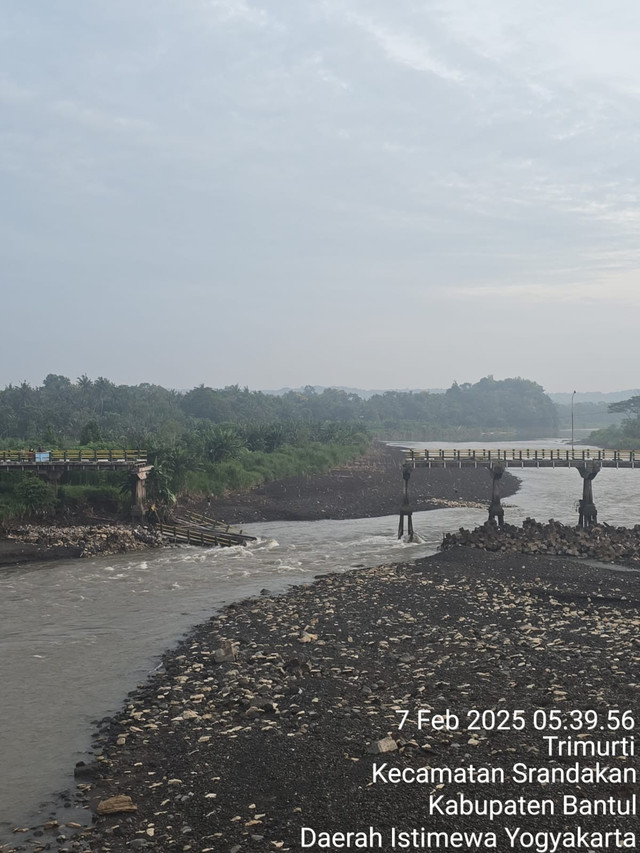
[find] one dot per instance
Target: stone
(225, 652)
(306, 637)
(117, 804)
(385, 744)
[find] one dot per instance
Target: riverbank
(30, 543)
(275, 714)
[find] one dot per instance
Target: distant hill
(561, 397)
(365, 394)
(564, 397)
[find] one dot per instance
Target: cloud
(97, 119)
(236, 11)
(13, 93)
(621, 289)
(407, 50)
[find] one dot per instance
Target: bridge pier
(496, 512)
(405, 509)
(52, 478)
(140, 493)
(587, 512)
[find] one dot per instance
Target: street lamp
(572, 399)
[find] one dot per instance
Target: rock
(225, 652)
(117, 804)
(85, 771)
(386, 744)
(306, 637)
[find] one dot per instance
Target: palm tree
(102, 388)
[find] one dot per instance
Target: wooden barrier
(193, 536)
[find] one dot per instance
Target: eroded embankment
(263, 720)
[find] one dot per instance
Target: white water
(75, 636)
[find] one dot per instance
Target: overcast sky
(337, 192)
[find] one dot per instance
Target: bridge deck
(533, 458)
(42, 461)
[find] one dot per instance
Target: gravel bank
(241, 754)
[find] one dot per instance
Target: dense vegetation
(61, 412)
(626, 436)
(208, 440)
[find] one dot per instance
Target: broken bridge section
(588, 463)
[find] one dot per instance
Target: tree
(90, 432)
(35, 494)
(630, 407)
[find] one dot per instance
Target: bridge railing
(77, 455)
(482, 455)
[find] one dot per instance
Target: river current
(77, 635)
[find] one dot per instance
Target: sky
(334, 192)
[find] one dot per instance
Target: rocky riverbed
(601, 542)
(275, 714)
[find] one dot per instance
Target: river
(76, 636)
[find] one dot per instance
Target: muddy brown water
(76, 636)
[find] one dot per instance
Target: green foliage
(97, 498)
(221, 442)
(627, 435)
(255, 467)
(630, 407)
(90, 433)
(159, 486)
(62, 413)
(35, 495)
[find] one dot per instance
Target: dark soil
(370, 487)
(240, 755)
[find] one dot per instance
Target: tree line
(61, 412)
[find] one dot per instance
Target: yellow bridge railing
(78, 455)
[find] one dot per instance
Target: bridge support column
(140, 494)
(52, 478)
(587, 513)
(405, 509)
(496, 512)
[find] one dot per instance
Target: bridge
(533, 458)
(50, 465)
(587, 461)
